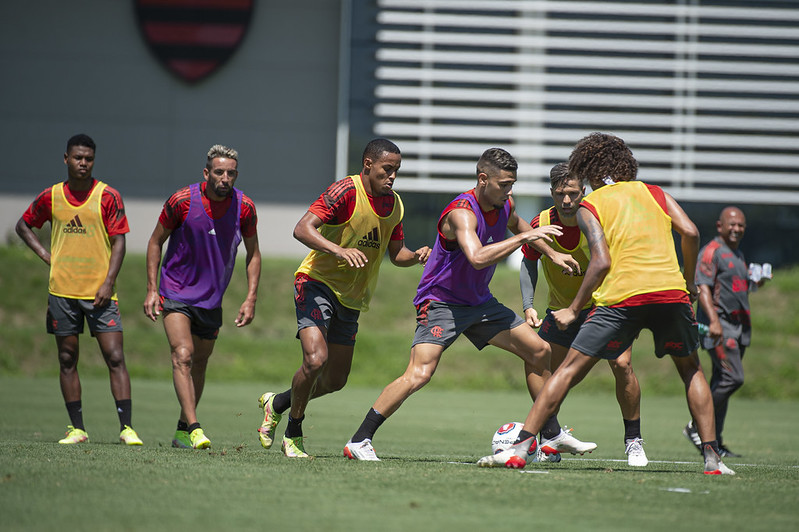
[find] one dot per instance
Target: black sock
(75, 411)
(294, 427)
(551, 428)
(523, 435)
(632, 429)
(370, 424)
(182, 425)
(124, 409)
(282, 401)
(193, 427)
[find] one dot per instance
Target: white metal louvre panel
(706, 93)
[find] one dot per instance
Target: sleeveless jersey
(562, 287)
(638, 234)
(201, 254)
(80, 250)
(366, 231)
(449, 277)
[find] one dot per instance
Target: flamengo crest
(193, 38)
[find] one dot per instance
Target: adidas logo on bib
(75, 226)
(370, 239)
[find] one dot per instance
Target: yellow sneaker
(128, 436)
(74, 436)
(181, 440)
(266, 432)
(293, 447)
(199, 440)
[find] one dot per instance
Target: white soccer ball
(505, 436)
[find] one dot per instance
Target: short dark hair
(377, 147)
(600, 155)
(558, 175)
(496, 159)
(81, 139)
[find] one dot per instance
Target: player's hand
(693, 291)
(531, 317)
(422, 254)
(715, 332)
(567, 263)
(355, 258)
(103, 296)
(564, 317)
(246, 314)
(152, 305)
(544, 232)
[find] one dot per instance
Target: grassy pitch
(426, 481)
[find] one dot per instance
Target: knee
(334, 383)
(115, 359)
(314, 361)
(67, 360)
(181, 357)
(418, 377)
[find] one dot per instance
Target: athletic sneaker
(565, 442)
(199, 440)
(361, 451)
(726, 453)
(293, 447)
(634, 449)
(74, 436)
(692, 434)
(713, 464)
(542, 456)
(128, 436)
(181, 439)
(266, 432)
(516, 456)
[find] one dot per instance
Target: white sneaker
(361, 451)
(714, 465)
(516, 456)
(565, 442)
(634, 450)
(541, 456)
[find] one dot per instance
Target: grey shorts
(441, 323)
(65, 316)
(318, 306)
(609, 331)
(205, 323)
(550, 333)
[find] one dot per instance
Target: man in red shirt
(88, 226)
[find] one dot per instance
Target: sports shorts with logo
(65, 316)
(550, 333)
(318, 306)
(205, 323)
(441, 323)
(609, 331)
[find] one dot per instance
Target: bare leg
(68, 354)
(188, 381)
(628, 391)
(697, 393)
(111, 348)
(523, 342)
(334, 374)
(423, 363)
(314, 359)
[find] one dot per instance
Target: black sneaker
(691, 433)
(726, 453)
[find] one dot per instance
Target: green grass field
(426, 481)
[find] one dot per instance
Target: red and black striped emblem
(193, 38)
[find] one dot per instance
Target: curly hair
(600, 155)
(496, 159)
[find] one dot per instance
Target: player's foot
(266, 432)
(713, 464)
(199, 439)
(361, 451)
(726, 453)
(181, 439)
(128, 436)
(692, 434)
(74, 436)
(541, 456)
(293, 447)
(516, 456)
(566, 443)
(634, 449)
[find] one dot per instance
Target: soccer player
(567, 193)
(724, 285)
(88, 227)
(348, 229)
(205, 223)
(635, 281)
(453, 297)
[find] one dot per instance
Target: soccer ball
(505, 436)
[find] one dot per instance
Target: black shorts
(65, 316)
(317, 306)
(550, 333)
(205, 323)
(609, 331)
(441, 323)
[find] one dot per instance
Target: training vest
(562, 287)
(449, 276)
(366, 231)
(201, 254)
(80, 250)
(638, 234)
